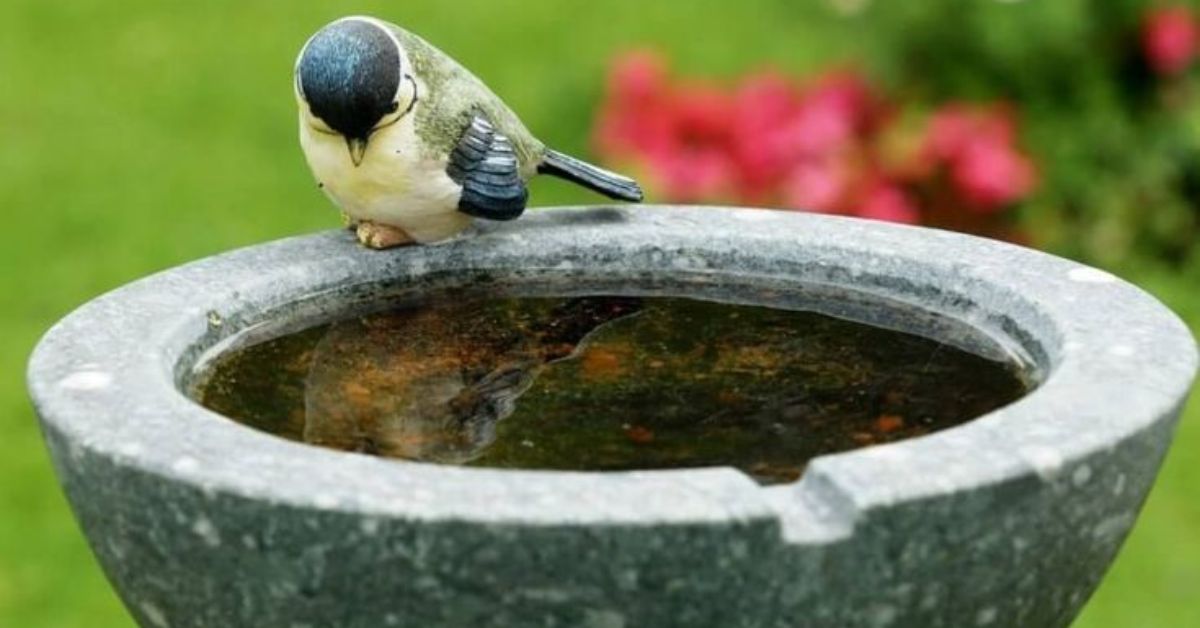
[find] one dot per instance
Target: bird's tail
(596, 178)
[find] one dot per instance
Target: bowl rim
(106, 378)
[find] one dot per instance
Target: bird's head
(353, 78)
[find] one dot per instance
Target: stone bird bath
(1008, 520)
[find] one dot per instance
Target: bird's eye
(395, 106)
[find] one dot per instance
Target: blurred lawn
(141, 134)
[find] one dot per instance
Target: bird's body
(411, 145)
(396, 184)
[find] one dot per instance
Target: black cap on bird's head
(350, 74)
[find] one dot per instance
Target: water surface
(603, 383)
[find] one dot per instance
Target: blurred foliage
(1118, 145)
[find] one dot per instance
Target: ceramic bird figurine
(410, 145)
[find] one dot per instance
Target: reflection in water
(431, 384)
(604, 383)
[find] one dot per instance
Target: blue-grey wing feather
(486, 166)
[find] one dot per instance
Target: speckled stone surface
(1009, 520)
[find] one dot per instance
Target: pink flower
(677, 134)
(621, 134)
(783, 136)
(703, 114)
(635, 118)
(887, 201)
(691, 161)
(762, 100)
(977, 145)
(1169, 39)
(848, 93)
(762, 152)
(991, 174)
(696, 174)
(956, 125)
(817, 185)
(829, 116)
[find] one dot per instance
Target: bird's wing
(485, 165)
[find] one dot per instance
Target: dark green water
(603, 383)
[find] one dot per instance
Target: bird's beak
(357, 147)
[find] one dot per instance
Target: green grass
(142, 134)
(1153, 582)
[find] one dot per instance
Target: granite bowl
(1008, 520)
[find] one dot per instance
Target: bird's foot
(376, 236)
(349, 222)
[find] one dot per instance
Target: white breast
(393, 185)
